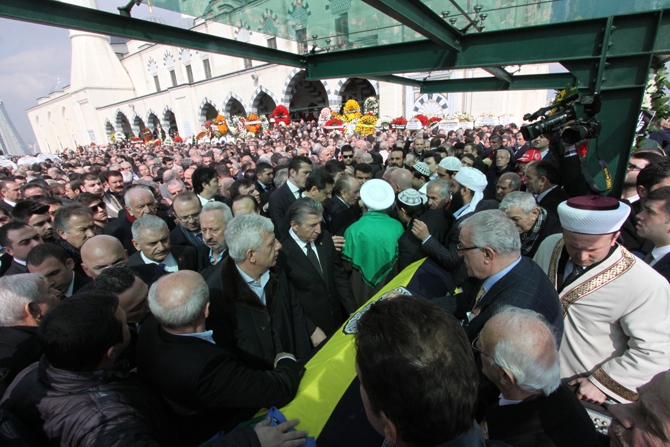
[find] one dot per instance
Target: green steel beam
(65, 15)
(397, 80)
(499, 72)
(524, 82)
(417, 16)
(530, 45)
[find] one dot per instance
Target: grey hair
(366, 158)
(244, 233)
(131, 191)
(147, 222)
(169, 175)
(442, 186)
(304, 207)
(531, 374)
(513, 177)
(222, 208)
(15, 292)
(176, 182)
(280, 177)
(184, 314)
(65, 212)
(492, 229)
(523, 200)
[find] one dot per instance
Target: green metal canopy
(607, 46)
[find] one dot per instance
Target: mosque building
(120, 85)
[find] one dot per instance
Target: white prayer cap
(592, 214)
(411, 197)
(451, 164)
(472, 178)
(377, 195)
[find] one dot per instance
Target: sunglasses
(97, 206)
(347, 156)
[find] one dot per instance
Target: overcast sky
(34, 57)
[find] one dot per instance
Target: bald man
(211, 385)
(400, 180)
(104, 251)
(519, 355)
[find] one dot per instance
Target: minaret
(10, 140)
(94, 64)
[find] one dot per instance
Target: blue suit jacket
(525, 286)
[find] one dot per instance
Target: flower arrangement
(371, 106)
(352, 106)
(200, 136)
(221, 125)
(384, 122)
(281, 115)
(325, 115)
(350, 127)
(366, 125)
(423, 119)
(333, 124)
(265, 124)
(399, 123)
(178, 139)
(464, 117)
(253, 123)
(434, 119)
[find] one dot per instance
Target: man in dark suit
(11, 193)
(139, 201)
(343, 210)
(18, 331)
(54, 263)
(152, 241)
(520, 357)
(534, 223)
(653, 224)
(213, 221)
(254, 311)
(202, 380)
(467, 189)
(542, 178)
(18, 239)
(490, 247)
(280, 200)
(187, 209)
(264, 179)
(311, 263)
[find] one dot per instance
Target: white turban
(474, 180)
(593, 214)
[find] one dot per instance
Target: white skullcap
(377, 195)
(472, 178)
(451, 164)
(593, 214)
(411, 197)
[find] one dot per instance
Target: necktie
(161, 266)
(480, 294)
(574, 274)
(649, 258)
(313, 259)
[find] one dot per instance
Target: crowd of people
(162, 295)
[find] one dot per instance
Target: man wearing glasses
(95, 203)
(187, 208)
(348, 155)
(491, 250)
